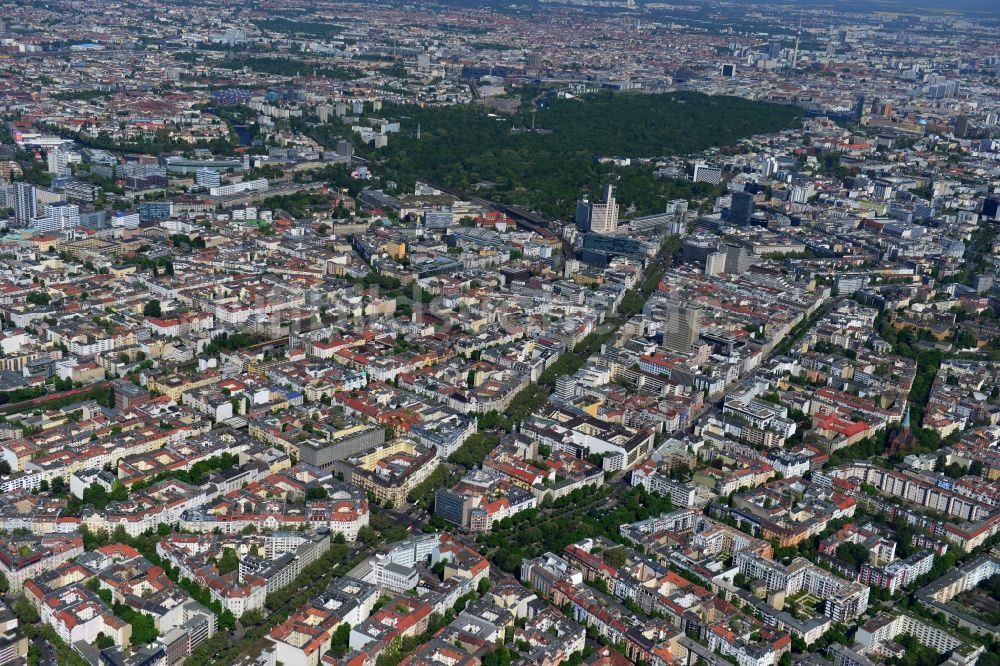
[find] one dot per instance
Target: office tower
(206, 177)
(990, 206)
(715, 263)
(58, 217)
(25, 203)
(681, 328)
(155, 210)
(859, 108)
(81, 192)
(983, 283)
(741, 208)
(738, 259)
(58, 161)
(677, 207)
(571, 268)
(962, 126)
(599, 218)
(728, 70)
(774, 50)
(566, 388)
(95, 220)
(124, 220)
(695, 250)
(707, 174)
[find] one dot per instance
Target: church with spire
(901, 437)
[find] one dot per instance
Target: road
(46, 650)
(314, 588)
(414, 519)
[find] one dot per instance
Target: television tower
(798, 35)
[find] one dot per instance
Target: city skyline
(555, 333)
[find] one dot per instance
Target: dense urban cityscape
(463, 333)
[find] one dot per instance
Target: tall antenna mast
(798, 34)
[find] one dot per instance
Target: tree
(228, 562)
(38, 298)
(852, 554)
(340, 643)
(316, 493)
(143, 627)
(58, 485)
(26, 613)
(252, 618)
(152, 309)
(499, 657)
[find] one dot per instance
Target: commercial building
(58, 161)
(341, 445)
(258, 185)
(25, 203)
(681, 328)
(83, 192)
(604, 246)
(707, 174)
(739, 259)
(58, 217)
(205, 177)
(391, 471)
(741, 208)
(962, 126)
(155, 210)
(715, 263)
(599, 218)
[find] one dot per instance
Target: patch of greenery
(289, 67)
(474, 450)
(586, 512)
(462, 146)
